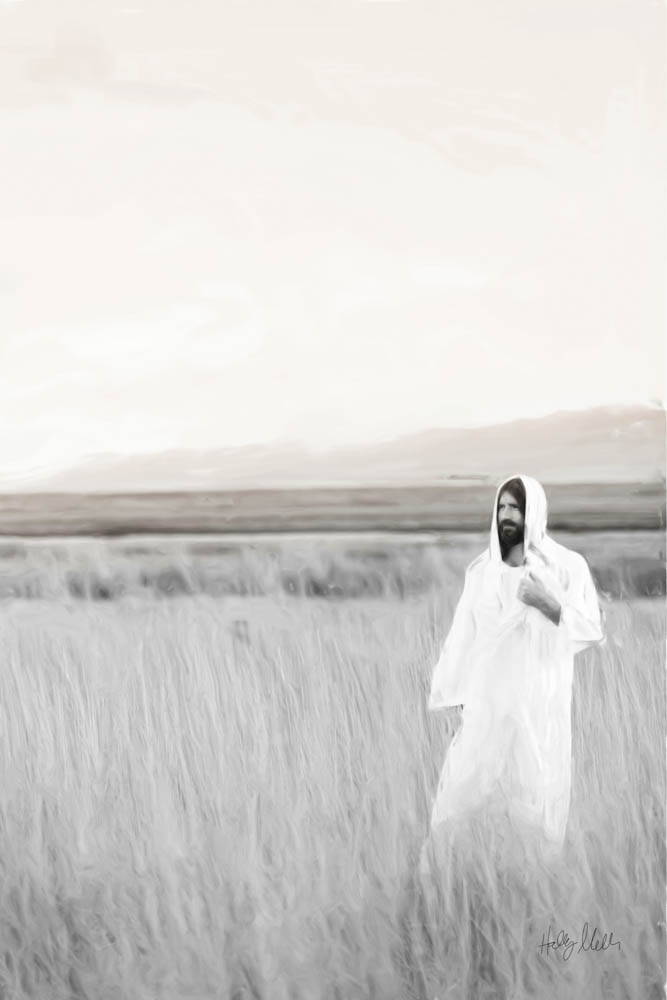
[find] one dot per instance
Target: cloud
(194, 337)
(229, 242)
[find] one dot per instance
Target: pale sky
(226, 223)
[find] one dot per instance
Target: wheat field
(215, 796)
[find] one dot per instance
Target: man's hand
(532, 591)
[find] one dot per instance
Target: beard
(510, 535)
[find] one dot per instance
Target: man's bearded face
(510, 521)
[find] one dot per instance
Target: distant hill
(605, 444)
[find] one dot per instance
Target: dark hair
(516, 488)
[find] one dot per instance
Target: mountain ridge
(620, 443)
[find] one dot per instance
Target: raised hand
(532, 591)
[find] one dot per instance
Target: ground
(208, 794)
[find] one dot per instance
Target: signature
(590, 941)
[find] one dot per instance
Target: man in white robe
(528, 605)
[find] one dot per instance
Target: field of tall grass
(224, 795)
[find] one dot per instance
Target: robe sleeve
(581, 621)
(449, 675)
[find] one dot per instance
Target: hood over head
(535, 519)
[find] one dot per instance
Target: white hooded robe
(511, 668)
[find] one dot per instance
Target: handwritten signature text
(563, 944)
